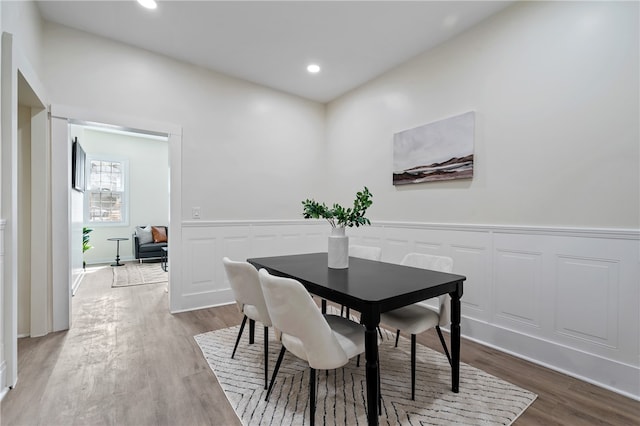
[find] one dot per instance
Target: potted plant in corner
(85, 243)
(340, 218)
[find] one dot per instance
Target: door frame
(61, 116)
(15, 70)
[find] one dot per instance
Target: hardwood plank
(128, 361)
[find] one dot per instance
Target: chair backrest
(366, 252)
(246, 287)
(294, 313)
(434, 263)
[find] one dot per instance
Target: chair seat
(350, 334)
(350, 337)
(149, 247)
(413, 319)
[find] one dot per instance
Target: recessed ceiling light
(149, 4)
(313, 68)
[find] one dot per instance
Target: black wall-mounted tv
(78, 158)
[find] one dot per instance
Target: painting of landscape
(442, 150)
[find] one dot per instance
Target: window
(106, 197)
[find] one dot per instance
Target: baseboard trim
(216, 305)
(111, 260)
(4, 389)
(206, 299)
(77, 282)
(599, 371)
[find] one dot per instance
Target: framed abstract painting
(442, 150)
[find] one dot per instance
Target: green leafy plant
(85, 239)
(338, 216)
(85, 243)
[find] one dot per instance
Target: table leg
(164, 261)
(117, 254)
(371, 321)
(252, 331)
(455, 338)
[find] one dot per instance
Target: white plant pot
(338, 250)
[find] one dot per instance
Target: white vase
(338, 252)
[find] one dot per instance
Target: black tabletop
(364, 282)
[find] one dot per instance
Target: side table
(117, 240)
(164, 258)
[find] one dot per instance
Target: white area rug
(138, 274)
(341, 395)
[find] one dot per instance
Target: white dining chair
(247, 291)
(325, 342)
(419, 317)
(365, 252)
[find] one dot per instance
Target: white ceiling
(271, 42)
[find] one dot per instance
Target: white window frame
(125, 195)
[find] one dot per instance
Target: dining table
(372, 288)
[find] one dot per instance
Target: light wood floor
(127, 361)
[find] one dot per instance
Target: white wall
(248, 151)
(148, 186)
(555, 89)
(22, 19)
(77, 200)
(76, 212)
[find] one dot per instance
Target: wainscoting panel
(591, 284)
(274, 240)
(199, 267)
(428, 247)
(473, 263)
(394, 249)
(235, 246)
(267, 242)
(366, 236)
(562, 297)
(518, 282)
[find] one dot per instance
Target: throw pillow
(159, 234)
(144, 234)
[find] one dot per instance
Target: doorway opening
(126, 185)
(68, 246)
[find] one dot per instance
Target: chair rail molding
(562, 297)
(611, 233)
